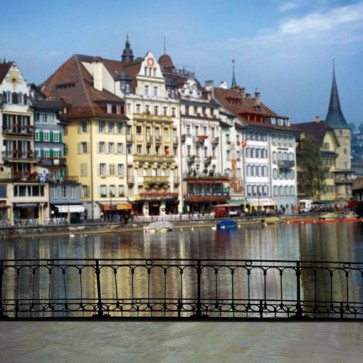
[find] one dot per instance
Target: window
(138, 108)
(103, 193)
(139, 149)
(83, 170)
(119, 128)
(155, 93)
(165, 111)
(111, 126)
(173, 111)
(83, 129)
(56, 137)
(111, 147)
(118, 109)
(120, 170)
(120, 148)
(101, 126)
(102, 169)
(111, 169)
(109, 108)
(83, 148)
(146, 90)
(101, 147)
(36, 135)
(121, 191)
(156, 110)
(84, 191)
(46, 136)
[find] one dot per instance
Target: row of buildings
(101, 138)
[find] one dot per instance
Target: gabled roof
(317, 130)
(73, 84)
(4, 69)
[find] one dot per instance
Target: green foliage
(312, 170)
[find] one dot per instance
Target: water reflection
(296, 242)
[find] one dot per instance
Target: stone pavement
(184, 342)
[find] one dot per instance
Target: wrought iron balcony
(286, 164)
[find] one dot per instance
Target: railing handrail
(173, 287)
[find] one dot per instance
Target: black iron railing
(180, 288)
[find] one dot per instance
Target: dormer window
(109, 108)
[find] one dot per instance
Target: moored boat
(227, 224)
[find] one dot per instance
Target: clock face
(13, 77)
(150, 61)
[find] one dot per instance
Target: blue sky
(282, 48)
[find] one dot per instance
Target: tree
(312, 172)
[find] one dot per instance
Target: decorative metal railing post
(99, 296)
(199, 302)
(298, 291)
(1, 287)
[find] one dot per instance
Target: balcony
(158, 195)
(51, 162)
(34, 176)
(18, 156)
(286, 164)
(19, 130)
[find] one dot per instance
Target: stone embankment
(98, 228)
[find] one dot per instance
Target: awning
(262, 202)
(70, 208)
(107, 206)
(237, 202)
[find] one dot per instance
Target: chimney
(257, 99)
(223, 85)
(317, 119)
(209, 85)
(97, 66)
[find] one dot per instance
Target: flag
(167, 151)
(244, 143)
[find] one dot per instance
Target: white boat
(162, 226)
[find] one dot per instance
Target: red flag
(244, 143)
(167, 151)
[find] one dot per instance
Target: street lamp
(111, 196)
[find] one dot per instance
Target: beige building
(23, 198)
(122, 135)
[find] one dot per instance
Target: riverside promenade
(180, 342)
(173, 341)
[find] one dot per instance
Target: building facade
(24, 198)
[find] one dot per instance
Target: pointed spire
(234, 83)
(335, 117)
(127, 54)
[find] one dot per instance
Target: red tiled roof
(73, 84)
(4, 69)
(245, 107)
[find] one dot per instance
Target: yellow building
(95, 135)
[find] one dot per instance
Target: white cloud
(290, 5)
(317, 25)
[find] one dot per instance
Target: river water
(341, 242)
(319, 242)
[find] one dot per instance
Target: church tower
(127, 54)
(336, 120)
